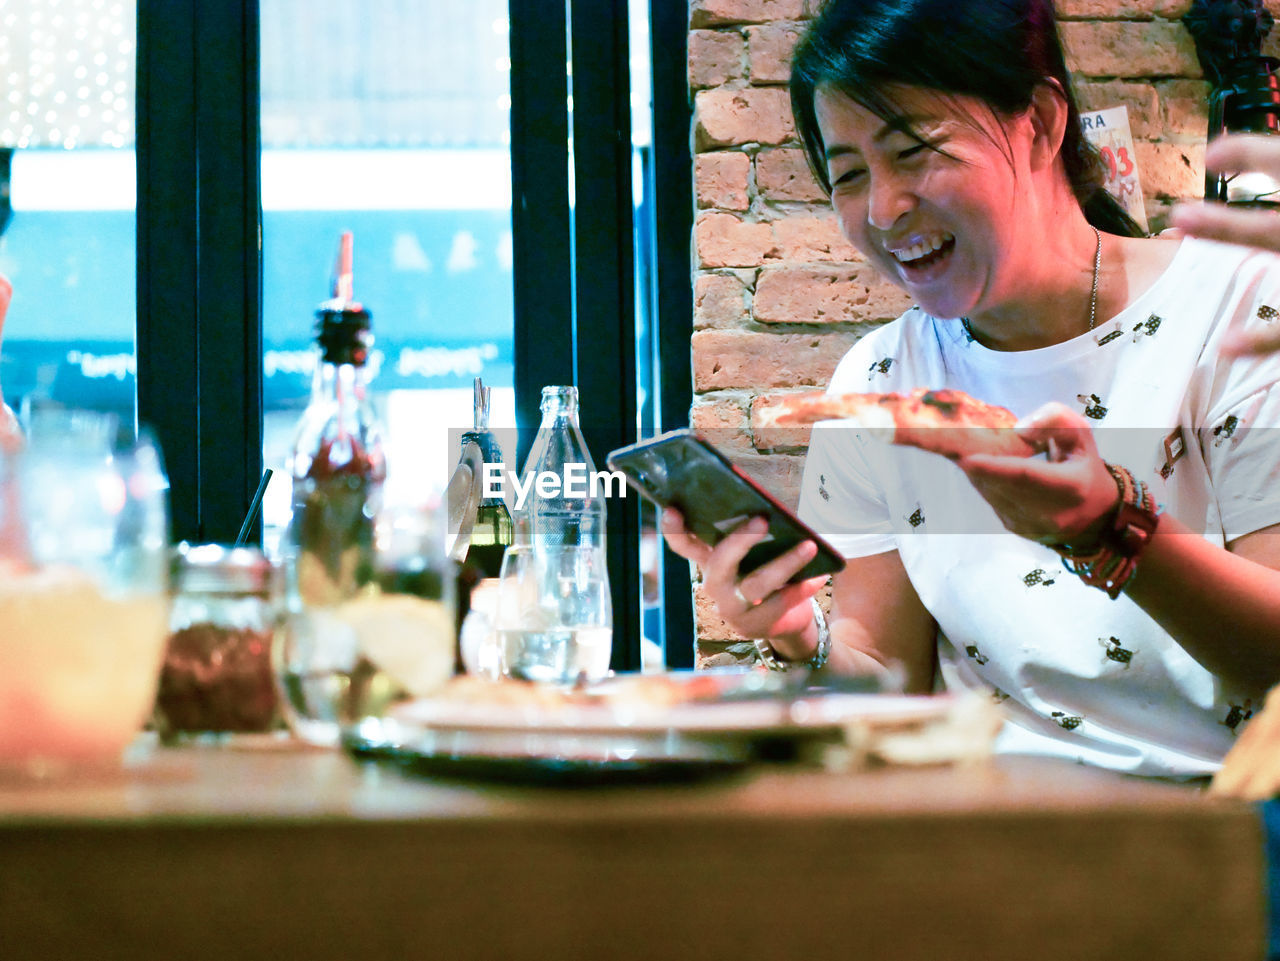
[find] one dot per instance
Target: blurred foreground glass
(349, 649)
(83, 592)
(553, 614)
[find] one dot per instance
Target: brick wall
(779, 295)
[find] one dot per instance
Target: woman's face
(945, 226)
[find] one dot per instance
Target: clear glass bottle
(564, 633)
(575, 513)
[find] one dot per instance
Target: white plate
(614, 729)
(747, 718)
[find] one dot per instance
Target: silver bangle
(770, 659)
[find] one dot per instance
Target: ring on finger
(746, 601)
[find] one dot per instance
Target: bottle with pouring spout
(338, 468)
(337, 462)
(566, 633)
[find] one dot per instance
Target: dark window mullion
(230, 315)
(604, 304)
(199, 320)
(673, 198)
(167, 236)
(542, 254)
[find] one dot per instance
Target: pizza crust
(946, 422)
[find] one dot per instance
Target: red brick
(782, 174)
(712, 13)
(716, 57)
(853, 293)
(769, 51)
(732, 116)
(1140, 98)
(720, 300)
(1184, 107)
(721, 178)
(779, 474)
(1170, 170)
(806, 237)
(775, 438)
(725, 359)
(724, 240)
(724, 423)
(1130, 49)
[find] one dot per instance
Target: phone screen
(684, 471)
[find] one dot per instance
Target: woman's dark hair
(997, 51)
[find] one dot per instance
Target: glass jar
(217, 674)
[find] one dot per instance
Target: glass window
(67, 198)
(389, 119)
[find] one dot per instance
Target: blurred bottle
(338, 468)
(336, 462)
(493, 531)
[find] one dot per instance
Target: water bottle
(562, 627)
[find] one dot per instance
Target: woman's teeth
(923, 249)
(925, 254)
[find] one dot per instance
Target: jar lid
(217, 569)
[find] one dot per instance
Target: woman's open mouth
(924, 260)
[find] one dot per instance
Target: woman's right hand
(761, 604)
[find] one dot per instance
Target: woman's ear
(1048, 115)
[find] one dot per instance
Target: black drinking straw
(254, 506)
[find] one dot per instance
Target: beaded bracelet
(770, 659)
(1111, 564)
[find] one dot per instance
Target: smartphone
(682, 470)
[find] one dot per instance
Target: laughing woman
(948, 138)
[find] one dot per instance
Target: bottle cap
(343, 327)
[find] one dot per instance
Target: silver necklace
(1093, 292)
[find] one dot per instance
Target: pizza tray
(606, 739)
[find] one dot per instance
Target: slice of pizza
(946, 422)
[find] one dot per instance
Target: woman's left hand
(1065, 499)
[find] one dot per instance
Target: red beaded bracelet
(1111, 564)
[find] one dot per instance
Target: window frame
(199, 326)
(199, 229)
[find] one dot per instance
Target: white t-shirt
(1081, 676)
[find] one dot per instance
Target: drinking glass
(83, 591)
(346, 654)
(553, 615)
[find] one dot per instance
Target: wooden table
(226, 853)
